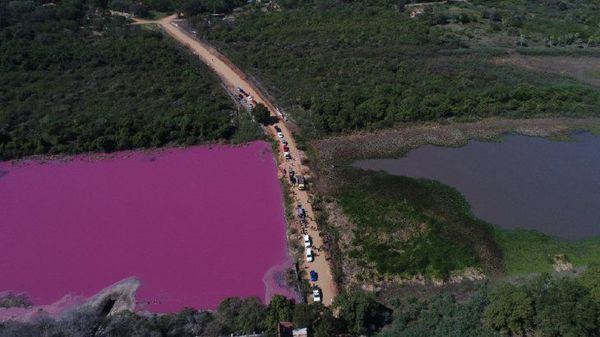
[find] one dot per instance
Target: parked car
(279, 134)
(309, 255)
(316, 294)
(307, 241)
(284, 142)
(313, 276)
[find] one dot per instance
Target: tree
(192, 7)
(566, 309)
(510, 310)
(328, 325)
(240, 316)
(138, 9)
(360, 312)
(591, 280)
(261, 113)
(305, 315)
(280, 309)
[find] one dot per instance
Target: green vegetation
(158, 8)
(234, 316)
(75, 80)
(247, 130)
(541, 306)
(549, 306)
(527, 251)
(407, 227)
(545, 305)
(360, 313)
(261, 114)
(340, 66)
(440, 316)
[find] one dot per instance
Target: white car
(316, 295)
(309, 255)
(279, 134)
(307, 242)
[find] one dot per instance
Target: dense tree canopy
(547, 306)
(345, 65)
(74, 80)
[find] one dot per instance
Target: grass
(407, 226)
(528, 251)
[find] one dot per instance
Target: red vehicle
(286, 148)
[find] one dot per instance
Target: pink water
(193, 225)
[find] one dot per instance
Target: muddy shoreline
(333, 152)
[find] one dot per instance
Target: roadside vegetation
(344, 66)
(73, 79)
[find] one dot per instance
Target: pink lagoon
(193, 225)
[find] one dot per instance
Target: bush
(96, 83)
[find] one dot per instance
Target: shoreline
(392, 143)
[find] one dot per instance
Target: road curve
(232, 78)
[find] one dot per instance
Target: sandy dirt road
(233, 78)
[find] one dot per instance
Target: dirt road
(232, 77)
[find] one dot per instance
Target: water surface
(193, 225)
(522, 182)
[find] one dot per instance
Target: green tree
(241, 316)
(511, 310)
(261, 113)
(360, 312)
(566, 309)
(305, 315)
(328, 325)
(280, 309)
(591, 280)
